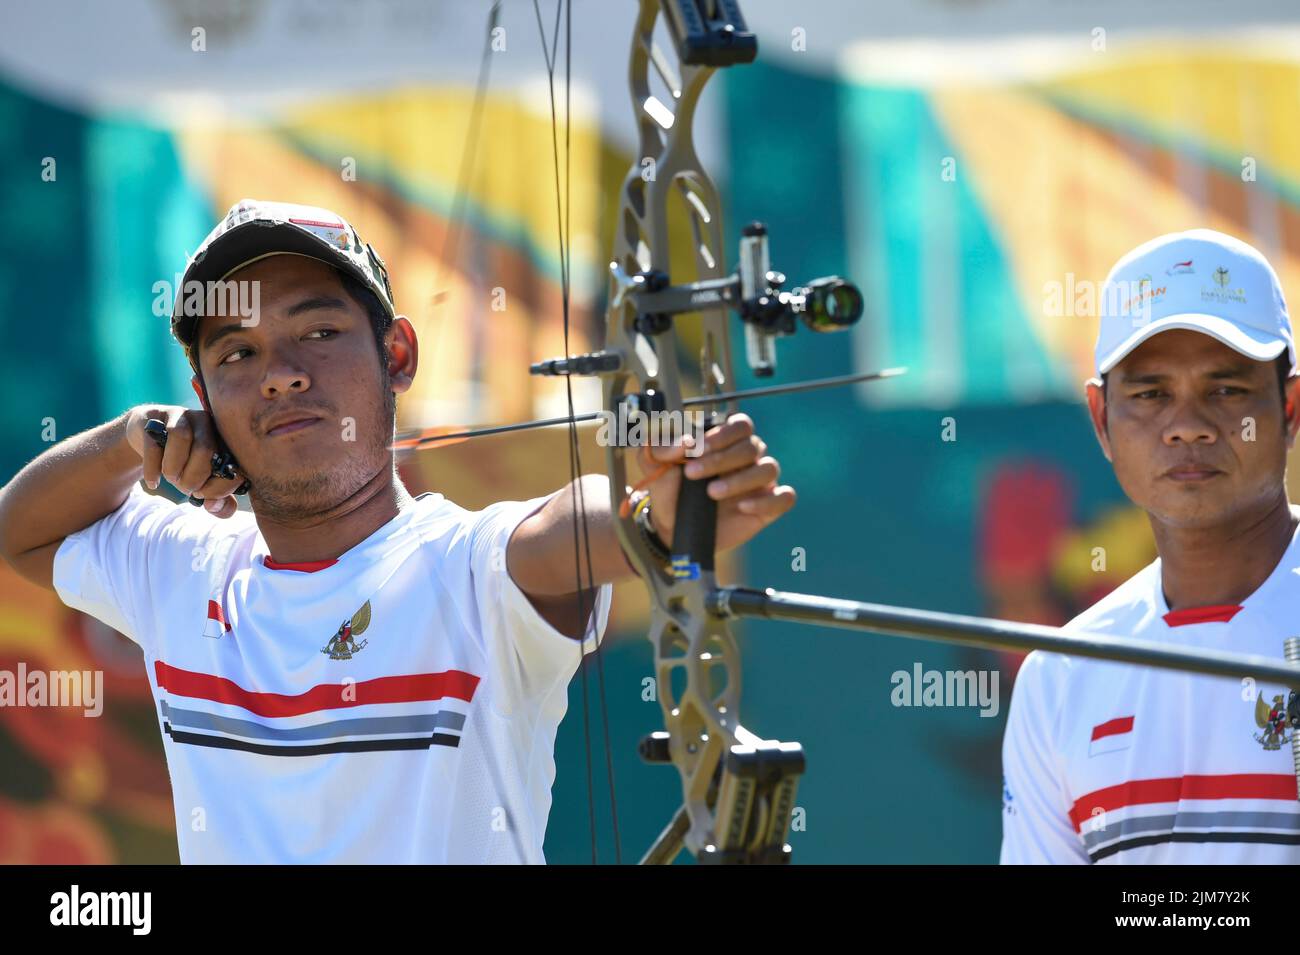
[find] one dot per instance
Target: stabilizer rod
(735, 602)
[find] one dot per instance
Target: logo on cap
(1222, 294)
(1146, 295)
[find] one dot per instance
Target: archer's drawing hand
(186, 462)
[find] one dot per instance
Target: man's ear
(403, 353)
(1291, 389)
(1097, 412)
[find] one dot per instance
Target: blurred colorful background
(962, 161)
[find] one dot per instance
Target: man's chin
(1196, 509)
(297, 457)
(310, 481)
(300, 484)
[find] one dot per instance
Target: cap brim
(1257, 345)
(250, 242)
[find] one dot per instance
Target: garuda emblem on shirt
(1273, 721)
(344, 642)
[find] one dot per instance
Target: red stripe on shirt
(1215, 613)
(1113, 727)
(1138, 792)
(325, 696)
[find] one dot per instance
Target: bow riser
(696, 666)
(697, 663)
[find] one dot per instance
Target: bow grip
(695, 530)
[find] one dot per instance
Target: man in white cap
(1195, 406)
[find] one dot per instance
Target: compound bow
(738, 789)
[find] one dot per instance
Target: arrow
(454, 434)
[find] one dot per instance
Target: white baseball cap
(1200, 280)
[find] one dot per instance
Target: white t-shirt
(1112, 763)
(399, 704)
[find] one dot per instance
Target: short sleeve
(1036, 826)
(105, 569)
(530, 653)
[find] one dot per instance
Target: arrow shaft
(815, 385)
(411, 440)
(414, 440)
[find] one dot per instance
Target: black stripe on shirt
(1272, 838)
(320, 749)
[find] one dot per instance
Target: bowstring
(449, 252)
(581, 529)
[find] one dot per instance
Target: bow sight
(827, 304)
